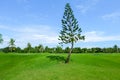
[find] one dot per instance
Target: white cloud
(27, 28)
(83, 8)
(46, 38)
(112, 16)
(35, 34)
(94, 36)
(43, 34)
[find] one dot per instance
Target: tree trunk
(69, 54)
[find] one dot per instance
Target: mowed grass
(40, 67)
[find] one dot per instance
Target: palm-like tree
(40, 48)
(12, 44)
(29, 47)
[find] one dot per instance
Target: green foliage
(40, 48)
(77, 50)
(18, 50)
(6, 50)
(67, 49)
(11, 42)
(59, 49)
(12, 45)
(49, 50)
(46, 49)
(1, 40)
(115, 48)
(70, 32)
(29, 47)
(40, 67)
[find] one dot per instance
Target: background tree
(77, 50)
(1, 40)
(115, 48)
(84, 50)
(66, 50)
(46, 49)
(29, 47)
(70, 32)
(40, 48)
(18, 50)
(59, 49)
(6, 50)
(12, 45)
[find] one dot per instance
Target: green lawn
(41, 67)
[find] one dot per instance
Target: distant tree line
(45, 49)
(41, 49)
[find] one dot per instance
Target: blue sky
(39, 21)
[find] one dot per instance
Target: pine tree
(70, 32)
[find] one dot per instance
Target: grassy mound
(52, 67)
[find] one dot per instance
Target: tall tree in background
(1, 40)
(70, 32)
(40, 48)
(29, 47)
(58, 49)
(12, 44)
(115, 49)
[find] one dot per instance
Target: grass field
(41, 67)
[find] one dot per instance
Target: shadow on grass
(56, 58)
